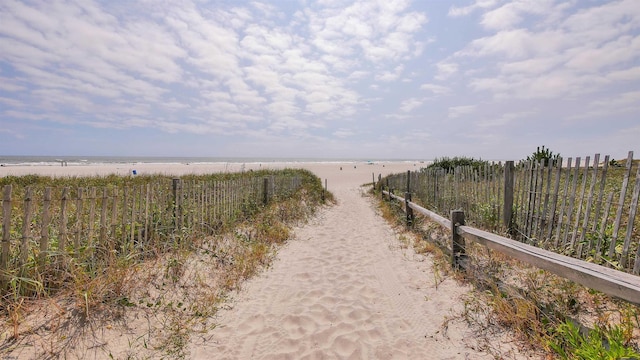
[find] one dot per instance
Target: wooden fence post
(407, 200)
(26, 227)
(507, 212)
(177, 203)
(265, 191)
(408, 209)
(457, 242)
(6, 232)
(44, 231)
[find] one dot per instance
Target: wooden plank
(609, 281)
(631, 220)
(554, 204)
(6, 228)
(440, 220)
(92, 213)
(26, 226)
(103, 217)
(62, 242)
(44, 230)
(587, 212)
(147, 203)
(79, 218)
(114, 223)
(580, 199)
(563, 204)
(538, 202)
(544, 217)
(623, 194)
(603, 181)
(572, 200)
(603, 225)
(123, 224)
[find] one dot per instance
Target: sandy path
(342, 289)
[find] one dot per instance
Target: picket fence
(42, 226)
(583, 209)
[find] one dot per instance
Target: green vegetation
(449, 164)
(179, 274)
(540, 309)
(545, 156)
(600, 343)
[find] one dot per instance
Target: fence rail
(583, 209)
(49, 226)
(616, 283)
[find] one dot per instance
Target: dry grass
(137, 308)
(512, 297)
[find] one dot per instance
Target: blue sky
(327, 79)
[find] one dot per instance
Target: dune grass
(146, 303)
(546, 314)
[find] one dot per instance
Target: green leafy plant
(570, 342)
(450, 164)
(544, 155)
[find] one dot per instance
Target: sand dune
(343, 289)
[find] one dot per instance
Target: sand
(342, 288)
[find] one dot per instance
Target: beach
(344, 286)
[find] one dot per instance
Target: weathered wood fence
(583, 209)
(51, 225)
(616, 283)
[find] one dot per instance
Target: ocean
(97, 160)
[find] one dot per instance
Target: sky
(389, 79)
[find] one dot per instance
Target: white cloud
(411, 104)
(436, 89)
(445, 70)
(455, 11)
(388, 76)
(504, 119)
(458, 111)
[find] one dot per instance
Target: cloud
(436, 89)
(458, 111)
(388, 76)
(504, 119)
(562, 58)
(456, 11)
(445, 70)
(411, 104)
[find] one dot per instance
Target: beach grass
(175, 285)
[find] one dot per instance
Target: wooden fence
(41, 226)
(612, 282)
(579, 208)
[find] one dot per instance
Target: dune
(343, 287)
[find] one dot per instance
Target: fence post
(408, 209)
(177, 203)
(265, 191)
(408, 180)
(508, 195)
(373, 180)
(407, 200)
(458, 252)
(6, 234)
(388, 189)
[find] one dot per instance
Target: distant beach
(351, 171)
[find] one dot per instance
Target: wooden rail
(609, 281)
(580, 208)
